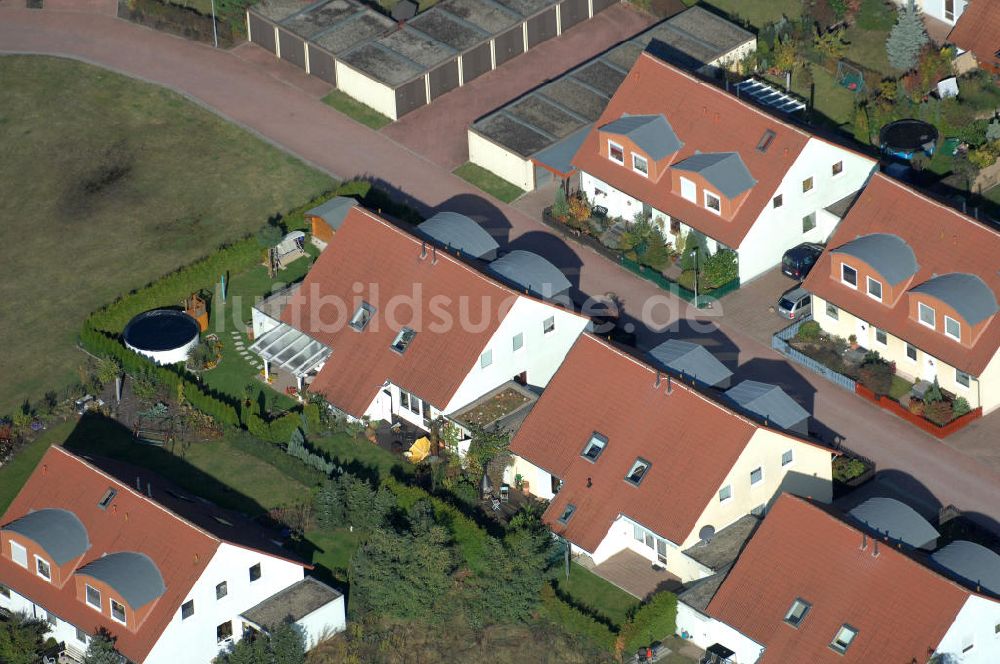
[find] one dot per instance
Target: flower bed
(896, 408)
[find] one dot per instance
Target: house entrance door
(929, 368)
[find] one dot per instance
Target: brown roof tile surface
(900, 608)
(131, 522)
(978, 30)
(706, 119)
(943, 240)
(690, 441)
(371, 260)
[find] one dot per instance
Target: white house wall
(60, 630)
(366, 90)
(323, 623)
(976, 626)
(539, 357)
(618, 203)
(621, 536)
(779, 229)
(539, 481)
(704, 631)
(935, 8)
(502, 162)
(193, 639)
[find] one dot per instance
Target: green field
(106, 184)
(599, 596)
(492, 184)
(357, 111)
(757, 13)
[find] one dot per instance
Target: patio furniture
(495, 503)
(504, 493)
(419, 450)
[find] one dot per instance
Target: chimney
(149, 489)
(423, 250)
(875, 548)
(864, 541)
(434, 255)
(656, 385)
(590, 483)
(670, 385)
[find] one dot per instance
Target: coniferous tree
(906, 39)
(101, 650)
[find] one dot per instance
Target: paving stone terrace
(560, 108)
(375, 44)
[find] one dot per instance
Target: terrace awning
(291, 349)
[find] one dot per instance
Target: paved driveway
(750, 308)
(266, 101)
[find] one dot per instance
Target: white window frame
(48, 566)
(949, 319)
(884, 334)
(645, 163)
(717, 198)
(224, 639)
(517, 342)
(958, 379)
(549, 325)
(689, 190)
(869, 282)
(224, 585)
(728, 488)
(845, 266)
(124, 619)
(22, 554)
(611, 146)
(406, 331)
(635, 466)
(486, 359)
(835, 644)
(567, 514)
(86, 596)
(920, 315)
(791, 458)
(761, 480)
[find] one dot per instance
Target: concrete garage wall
(322, 65)
(476, 62)
(380, 97)
(573, 12)
(443, 78)
(292, 48)
(261, 32)
(509, 44)
(412, 95)
(542, 27)
(500, 161)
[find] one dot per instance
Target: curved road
(282, 106)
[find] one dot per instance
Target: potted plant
(853, 340)
(370, 428)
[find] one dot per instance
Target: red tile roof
(978, 30)
(132, 522)
(691, 442)
(943, 240)
(706, 119)
(900, 608)
(371, 260)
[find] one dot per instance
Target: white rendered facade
(974, 636)
(703, 631)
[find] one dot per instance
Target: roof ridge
(963, 216)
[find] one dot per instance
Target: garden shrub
(808, 331)
(693, 240)
(720, 268)
(560, 207)
(846, 468)
(876, 374)
(960, 406)
(575, 621)
(939, 412)
(653, 621)
(275, 456)
(298, 449)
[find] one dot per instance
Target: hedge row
(653, 621)
(575, 621)
(275, 456)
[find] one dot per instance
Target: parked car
(795, 304)
(798, 260)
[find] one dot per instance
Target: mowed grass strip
(357, 111)
(493, 185)
(107, 184)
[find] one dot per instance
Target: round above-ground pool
(904, 138)
(165, 336)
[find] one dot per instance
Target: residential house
(403, 330)
(631, 459)
(325, 219)
(810, 587)
(87, 551)
(916, 281)
(947, 11)
(977, 34)
(697, 158)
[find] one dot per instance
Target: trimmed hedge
(653, 621)
(574, 621)
(275, 456)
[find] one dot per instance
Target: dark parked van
(797, 261)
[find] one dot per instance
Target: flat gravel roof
(488, 16)
(448, 29)
(279, 10)
(309, 24)
(538, 112)
(382, 63)
(417, 47)
(570, 93)
(513, 135)
(601, 77)
(357, 29)
(527, 8)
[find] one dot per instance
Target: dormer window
(842, 641)
(875, 289)
(567, 514)
(93, 597)
(848, 275)
(43, 568)
(713, 202)
(616, 153)
(797, 613)
(640, 165)
(362, 316)
(637, 472)
(927, 315)
(689, 191)
(118, 611)
(952, 328)
(18, 554)
(403, 339)
(594, 447)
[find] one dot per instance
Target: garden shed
(770, 403)
(691, 361)
(398, 66)
(325, 220)
(534, 137)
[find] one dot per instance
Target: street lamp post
(694, 252)
(215, 32)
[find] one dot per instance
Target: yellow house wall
(366, 90)
(982, 392)
(504, 163)
(810, 474)
(539, 481)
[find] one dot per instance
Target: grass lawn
(348, 451)
(867, 47)
(332, 550)
(831, 100)
(106, 184)
(492, 184)
(757, 12)
(15, 473)
(598, 595)
(357, 111)
(900, 387)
